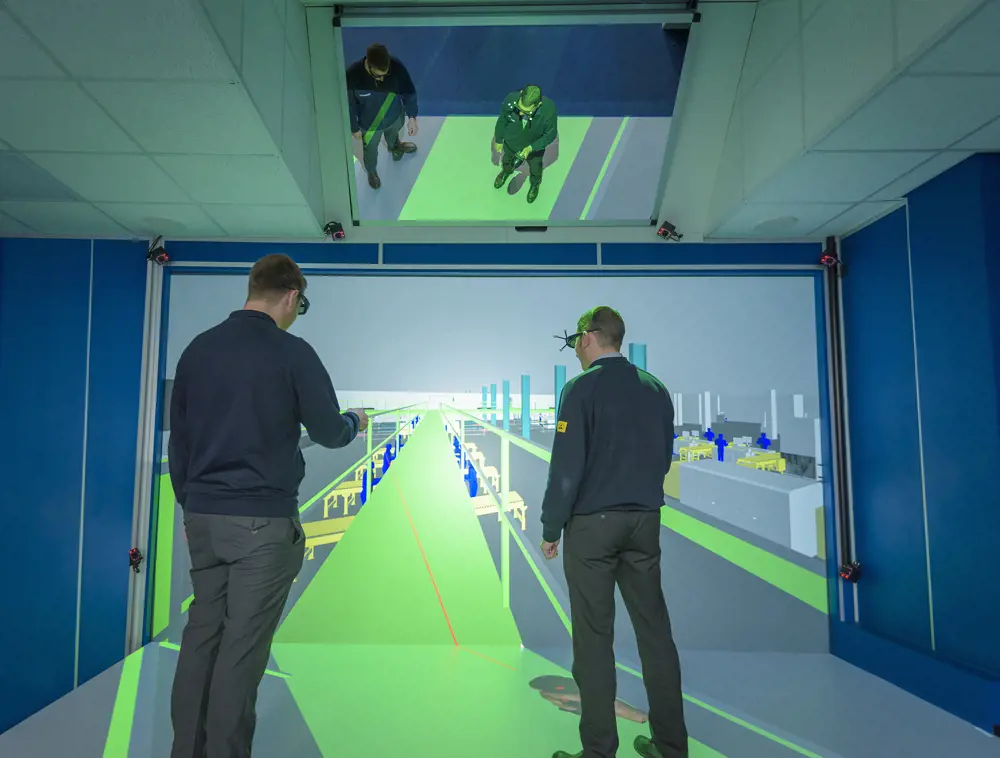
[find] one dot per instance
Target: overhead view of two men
(382, 98)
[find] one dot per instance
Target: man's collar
(251, 313)
(605, 356)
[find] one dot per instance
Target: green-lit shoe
(564, 754)
(645, 747)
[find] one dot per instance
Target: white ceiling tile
(919, 113)
(186, 117)
(21, 179)
(847, 53)
(781, 221)
(57, 116)
(127, 39)
(226, 17)
(280, 9)
(297, 36)
(11, 227)
(21, 56)
(112, 178)
(970, 49)
(920, 175)
(3, 146)
(772, 119)
(986, 139)
(775, 24)
(265, 221)
(728, 191)
(151, 219)
(921, 22)
(299, 123)
(836, 177)
(76, 219)
(854, 218)
(240, 179)
(264, 62)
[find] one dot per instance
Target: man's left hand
(550, 549)
(524, 154)
(411, 127)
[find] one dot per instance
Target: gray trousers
(390, 133)
(621, 548)
(242, 570)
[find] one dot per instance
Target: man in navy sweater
(380, 93)
(612, 451)
(242, 392)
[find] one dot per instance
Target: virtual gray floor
(627, 191)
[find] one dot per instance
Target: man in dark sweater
(242, 392)
(527, 124)
(612, 450)
(380, 93)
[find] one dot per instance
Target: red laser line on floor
(486, 657)
(428, 565)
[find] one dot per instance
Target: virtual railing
(506, 500)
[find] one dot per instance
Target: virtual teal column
(493, 404)
(526, 406)
(506, 405)
(483, 406)
(637, 354)
(559, 384)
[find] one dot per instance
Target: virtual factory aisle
(400, 643)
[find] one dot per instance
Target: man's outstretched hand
(362, 417)
(550, 549)
(498, 146)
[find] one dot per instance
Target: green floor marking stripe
(456, 181)
(374, 587)
(175, 647)
(164, 554)
(797, 581)
(604, 168)
(123, 713)
(437, 499)
(450, 680)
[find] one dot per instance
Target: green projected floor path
(401, 642)
(456, 181)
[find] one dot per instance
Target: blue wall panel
(526, 254)
(884, 448)
(956, 329)
(710, 254)
(43, 353)
(248, 252)
(119, 287)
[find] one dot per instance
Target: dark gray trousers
(242, 570)
(388, 132)
(623, 548)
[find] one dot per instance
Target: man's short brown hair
(607, 325)
(378, 57)
(273, 276)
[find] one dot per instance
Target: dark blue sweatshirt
(241, 393)
(366, 96)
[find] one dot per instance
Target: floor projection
(613, 119)
(425, 619)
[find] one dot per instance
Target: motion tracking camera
(668, 232)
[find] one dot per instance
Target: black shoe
(502, 177)
(401, 149)
(373, 181)
(532, 193)
(564, 754)
(645, 747)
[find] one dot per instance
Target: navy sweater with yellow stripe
(613, 445)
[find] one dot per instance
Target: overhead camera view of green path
(401, 640)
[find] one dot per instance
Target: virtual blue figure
(763, 441)
(709, 434)
(472, 480)
(457, 446)
(721, 443)
(364, 485)
(387, 458)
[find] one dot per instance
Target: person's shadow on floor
(514, 186)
